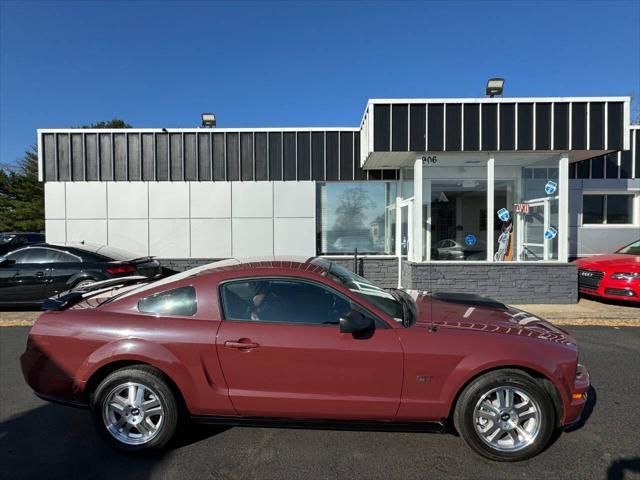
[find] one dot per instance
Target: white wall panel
(55, 231)
(86, 200)
(169, 238)
(210, 237)
(168, 200)
(294, 199)
(252, 237)
(129, 234)
(210, 199)
(54, 200)
(252, 199)
(127, 200)
(87, 231)
(294, 236)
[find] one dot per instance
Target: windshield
(631, 249)
(6, 238)
(362, 287)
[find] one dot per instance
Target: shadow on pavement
(54, 441)
(619, 468)
(592, 399)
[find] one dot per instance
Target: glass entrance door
(404, 233)
(536, 234)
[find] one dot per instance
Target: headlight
(625, 275)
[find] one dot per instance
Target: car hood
(611, 260)
(494, 320)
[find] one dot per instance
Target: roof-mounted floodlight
(495, 86)
(208, 120)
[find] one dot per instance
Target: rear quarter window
(179, 301)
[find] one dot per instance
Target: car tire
(505, 415)
(134, 409)
(83, 283)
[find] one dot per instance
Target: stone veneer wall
(505, 282)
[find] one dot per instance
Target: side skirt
(323, 424)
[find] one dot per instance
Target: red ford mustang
(303, 343)
(615, 275)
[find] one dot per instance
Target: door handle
(242, 345)
(39, 274)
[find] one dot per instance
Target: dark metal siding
(381, 128)
(560, 126)
(204, 156)
(525, 126)
(275, 156)
(175, 152)
(148, 157)
(625, 164)
(507, 126)
(400, 128)
(262, 167)
(246, 156)
(543, 126)
(233, 156)
(611, 162)
(579, 126)
(596, 126)
(489, 126)
(346, 155)
(597, 167)
(358, 172)
(453, 127)
(77, 159)
(134, 158)
(304, 156)
(331, 156)
(615, 122)
(418, 127)
(91, 159)
(317, 156)
(219, 153)
(106, 158)
(289, 155)
(471, 127)
(435, 127)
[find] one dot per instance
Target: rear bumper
(578, 399)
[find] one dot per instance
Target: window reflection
(356, 215)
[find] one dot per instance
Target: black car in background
(31, 274)
(12, 240)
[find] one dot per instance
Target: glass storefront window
(356, 215)
(458, 219)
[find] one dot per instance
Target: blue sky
(160, 64)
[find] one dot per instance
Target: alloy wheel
(507, 419)
(133, 413)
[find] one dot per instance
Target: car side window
(179, 301)
(65, 257)
(18, 256)
(282, 301)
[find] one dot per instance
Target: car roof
(249, 263)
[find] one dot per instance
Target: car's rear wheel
(505, 415)
(134, 409)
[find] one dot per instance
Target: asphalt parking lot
(40, 440)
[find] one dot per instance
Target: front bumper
(578, 396)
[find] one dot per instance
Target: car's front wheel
(505, 415)
(134, 409)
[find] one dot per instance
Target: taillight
(121, 270)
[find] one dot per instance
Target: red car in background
(303, 343)
(614, 275)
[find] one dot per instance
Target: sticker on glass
(470, 239)
(503, 214)
(551, 187)
(550, 233)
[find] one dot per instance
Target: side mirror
(356, 323)
(5, 262)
